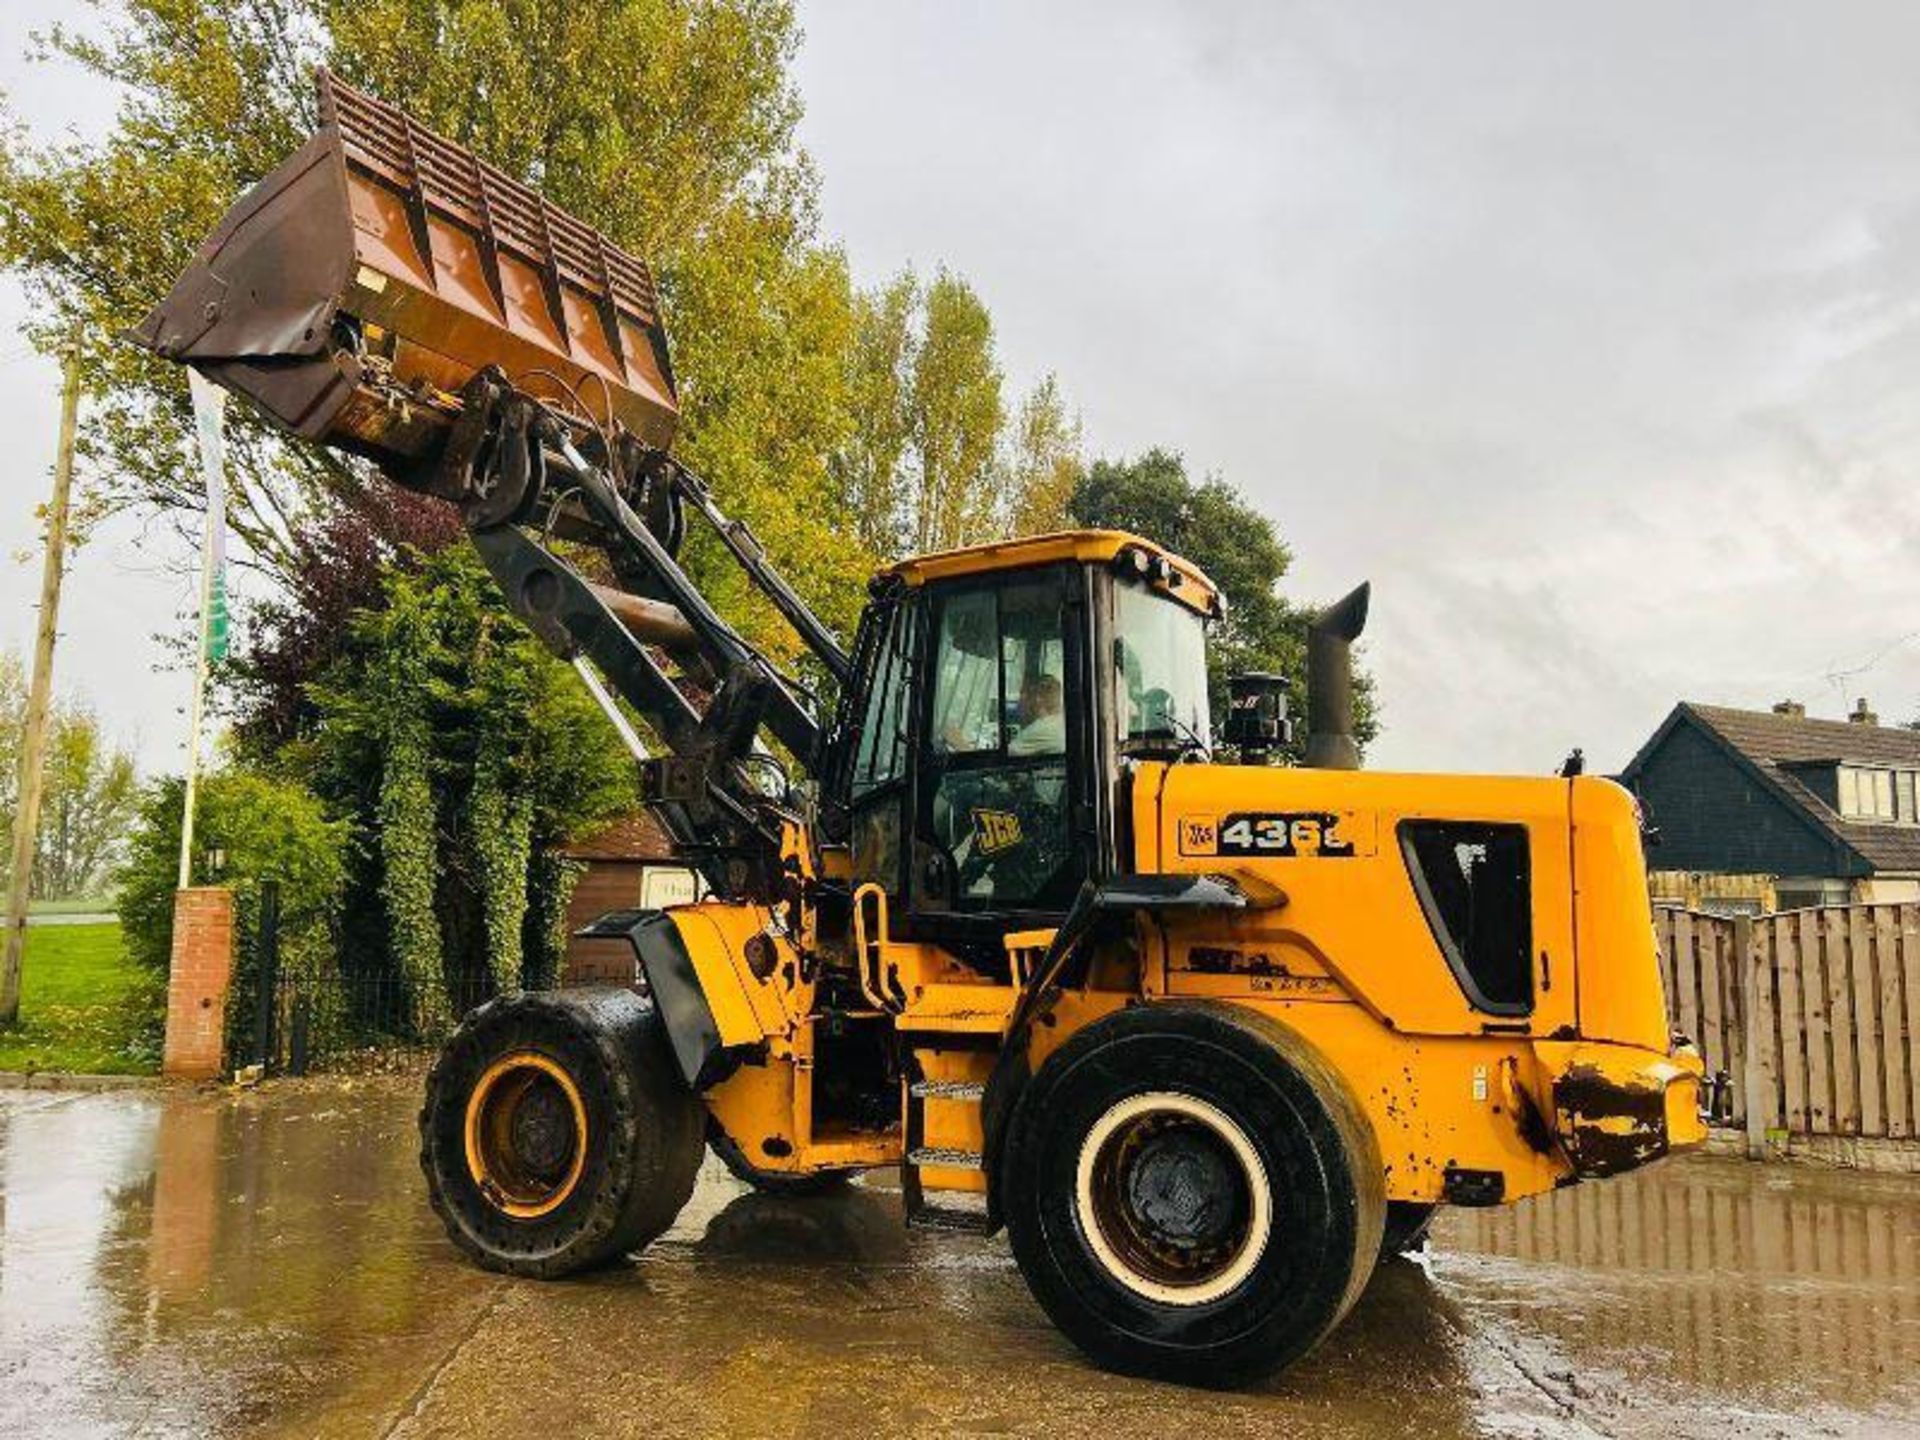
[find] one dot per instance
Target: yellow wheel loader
(1207, 1035)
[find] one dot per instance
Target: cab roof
(1178, 578)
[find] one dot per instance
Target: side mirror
(1256, 722)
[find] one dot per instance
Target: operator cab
(996, 694)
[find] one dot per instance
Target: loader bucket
(357, 288)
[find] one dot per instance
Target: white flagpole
(209, 413)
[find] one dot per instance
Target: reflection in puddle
(1780, 1283)
(55, 1212)
(191, 1263)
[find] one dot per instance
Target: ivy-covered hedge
(462, 754)
(413, 811)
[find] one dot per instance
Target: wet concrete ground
(264, 1263)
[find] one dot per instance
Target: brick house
(1771, 810)
(630, 865)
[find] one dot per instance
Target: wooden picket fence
(1814, 1014)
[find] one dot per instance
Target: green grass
(85, 1008)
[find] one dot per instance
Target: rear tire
(1192, 1193)
(556, 1134)
(773, 1182)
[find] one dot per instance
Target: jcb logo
(997, 830)
(1199, 836)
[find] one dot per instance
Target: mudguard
(709, 1015)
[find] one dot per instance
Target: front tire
(1192, 1193)
(556, 1135)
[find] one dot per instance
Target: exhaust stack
(1330, 742)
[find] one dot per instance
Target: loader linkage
(713, 789)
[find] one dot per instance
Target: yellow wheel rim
(526, 1134)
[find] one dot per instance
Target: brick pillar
(197, 982)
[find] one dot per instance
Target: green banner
(217, 618)
(209, 411)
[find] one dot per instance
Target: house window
(1869, 794)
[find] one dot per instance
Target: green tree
(88, 802)
(762, 318)
(259, 828)
(922, 468)
(955, 414)
(263, 827)
(1212, 524)
(880, 361)
(1045, 465)
(88, 789)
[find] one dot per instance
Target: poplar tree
(955, 414)
(1045, 464)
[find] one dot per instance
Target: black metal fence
(317, 1021)
(305, 1019)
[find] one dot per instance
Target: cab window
(877, 796)
(1000, 675)
(1160, 650)
(997, 736)
(882, 755)
(1474, 882)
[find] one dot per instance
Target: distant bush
(266, 828)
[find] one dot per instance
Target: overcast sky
(1589, 334)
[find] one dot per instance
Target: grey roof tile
(1762, 735)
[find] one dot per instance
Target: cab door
(1006, 729)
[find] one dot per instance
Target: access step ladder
(942, 1141)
